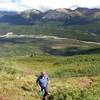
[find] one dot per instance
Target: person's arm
(37, 82)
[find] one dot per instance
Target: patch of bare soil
(1, 97)
(85, 81)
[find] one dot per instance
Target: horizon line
(30, 8)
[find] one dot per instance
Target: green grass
(73, 66)
(76, 77)
(18, 76)
(28, 46)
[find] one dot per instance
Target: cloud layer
(46, 4)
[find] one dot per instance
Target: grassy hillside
(39, 46)
(73, 78)
(73, 67)
(72, 64)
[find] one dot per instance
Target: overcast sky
(46, 4)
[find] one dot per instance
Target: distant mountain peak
(30, 12)
(63, 10)
(31, 16)
(87, 11)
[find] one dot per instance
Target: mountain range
(79, 24)
(67, 16)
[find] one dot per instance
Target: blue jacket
(42, 81)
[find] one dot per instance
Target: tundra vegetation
(73, 67)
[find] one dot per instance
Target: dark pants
(45, 92)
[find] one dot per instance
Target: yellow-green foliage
(75, 78)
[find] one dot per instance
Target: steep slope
(27, 17)
(70, 17)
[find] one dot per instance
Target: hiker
(42, 82)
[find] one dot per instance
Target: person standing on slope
(42, 82)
